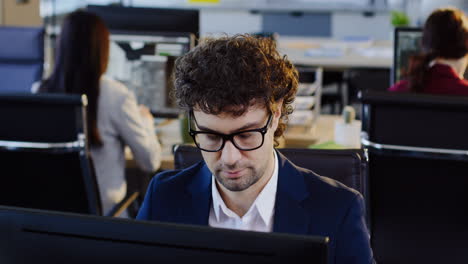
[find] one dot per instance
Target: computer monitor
(407, 42)
(149, 19)
(145, 64)
(37, 236)
(145, 42)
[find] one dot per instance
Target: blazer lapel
(290, 216)
(196, 208)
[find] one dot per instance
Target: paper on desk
(375, 52)
(303, 102)
(307, 88)
(330, 52)
(342, 47)
(301, 118)
(357, 41)
(169, 134)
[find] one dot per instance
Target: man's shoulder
(326, 186)
(170, 179)
(328, 197)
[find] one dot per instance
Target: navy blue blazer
(306, 204)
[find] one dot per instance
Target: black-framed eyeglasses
(243, 140)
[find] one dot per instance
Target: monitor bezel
(396, 35)
(20, 224)
(168, 112)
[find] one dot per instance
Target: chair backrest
(44, 154)
(348, 166)
(418, 168)
(21, 57)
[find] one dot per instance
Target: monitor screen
(145, 63)
(407, 42)
(37, 236)
(145, 43)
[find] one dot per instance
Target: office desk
(323, 131)
(294, 137)
(337, 55)
(354, 65)
(168, 132)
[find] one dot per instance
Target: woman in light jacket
(114, 118)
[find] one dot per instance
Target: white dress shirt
(259, 217)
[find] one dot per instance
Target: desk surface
(334, 54)
(294, 137)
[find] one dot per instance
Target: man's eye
(212, 137)
(244, 136)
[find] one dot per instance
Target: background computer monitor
(145, 64)
(37, 236)
(149, 19)
(407, 42)
(145, 42)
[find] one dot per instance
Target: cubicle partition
(418, 176)
(21, 58)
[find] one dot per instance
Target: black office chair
(44, 155)
(348, 166)
(418, 184)
(352, 169)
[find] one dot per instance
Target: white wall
(216, 21)
(346, 23)
(427, 6)
(343, 23)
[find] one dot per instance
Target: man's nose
(230, 154)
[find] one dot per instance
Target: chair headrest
(414, 100)
(21, 43)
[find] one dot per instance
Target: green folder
(327, 145)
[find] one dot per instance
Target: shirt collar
(443, 70)
(264, 203)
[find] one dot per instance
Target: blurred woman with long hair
(114, 118)
(439, 69)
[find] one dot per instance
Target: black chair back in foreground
(44, 154)
(418, 168)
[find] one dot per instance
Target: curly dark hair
(230, 74)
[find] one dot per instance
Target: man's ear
(279, 107)
(277, 113)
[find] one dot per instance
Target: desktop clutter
(348, 129)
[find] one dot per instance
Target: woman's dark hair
(229, 74)
(82, 57)
(445, 35)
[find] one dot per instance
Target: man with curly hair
(238, 92)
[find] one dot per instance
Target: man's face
(236, 170)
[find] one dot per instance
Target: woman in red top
(440, 67)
